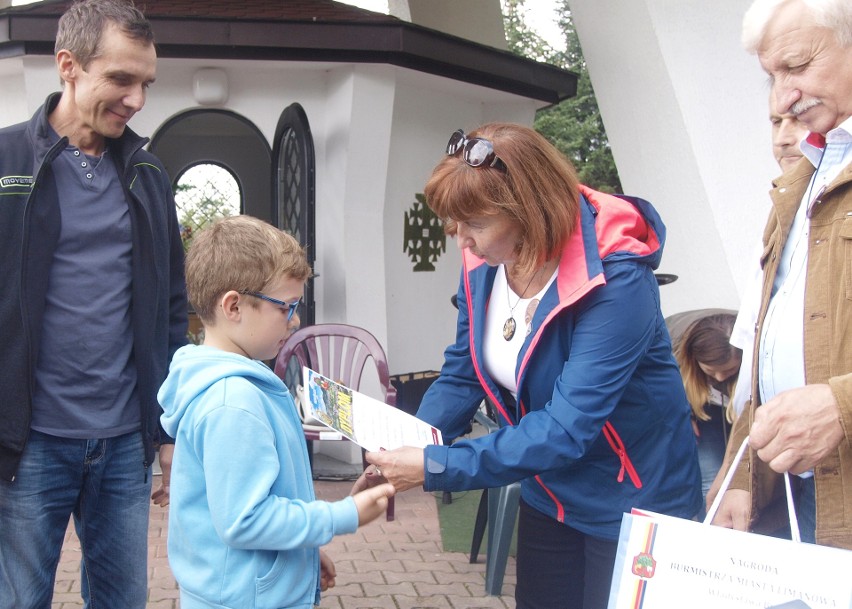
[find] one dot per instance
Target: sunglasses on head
(476, 152)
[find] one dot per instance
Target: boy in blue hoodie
(244, 525)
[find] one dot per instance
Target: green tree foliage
(522, 39)
(574, 126)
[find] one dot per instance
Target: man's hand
(161, 495)
(327, 571)
(797, 428)
(402, 467)
(734, 511)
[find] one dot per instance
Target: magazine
(370, 423)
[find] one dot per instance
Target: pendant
(509, 328)
(528, 316)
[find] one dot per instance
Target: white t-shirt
(501, 355)
(742, 335)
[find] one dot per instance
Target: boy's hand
(372, 503)
(161, 495)
(327, 571)
(371, 477)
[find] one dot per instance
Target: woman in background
(709, 366)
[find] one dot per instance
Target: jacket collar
(609, 227)
(122, 148)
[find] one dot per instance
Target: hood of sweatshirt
(195, 368)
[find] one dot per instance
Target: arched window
(294, 189)
(204, 193)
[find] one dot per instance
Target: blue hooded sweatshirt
(244, 525)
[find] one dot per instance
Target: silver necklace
(509, 326)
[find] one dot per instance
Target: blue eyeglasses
(290, 306)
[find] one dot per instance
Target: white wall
(427, 109)
(13, 107)
(477, 20)
(685, 109)
(25, 82)
(258, 90)
(378, 131)
(359, 124)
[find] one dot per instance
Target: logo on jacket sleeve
(9, 181)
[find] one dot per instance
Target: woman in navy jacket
(560, 327)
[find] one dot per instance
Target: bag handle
(791, 510)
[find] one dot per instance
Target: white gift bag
(665, 562)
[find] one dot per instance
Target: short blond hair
(239, 253)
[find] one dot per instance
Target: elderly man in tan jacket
(800, 416)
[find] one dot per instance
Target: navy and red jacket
(602, 424)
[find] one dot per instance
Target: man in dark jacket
(92, 304)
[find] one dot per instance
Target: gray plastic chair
(496, 514)
(339, 352)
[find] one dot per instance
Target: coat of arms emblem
(644, 565)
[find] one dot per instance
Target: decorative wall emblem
(424, 238)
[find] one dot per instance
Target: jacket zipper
(618, 448)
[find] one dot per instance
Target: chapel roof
(304, 30)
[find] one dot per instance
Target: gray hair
(83, 24)
(833, 14)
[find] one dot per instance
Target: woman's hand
(402, 467)
(734, 511)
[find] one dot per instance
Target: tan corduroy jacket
(827, 343)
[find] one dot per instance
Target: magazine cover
(368, 422)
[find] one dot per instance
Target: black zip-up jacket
(29, 231)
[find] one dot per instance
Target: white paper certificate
(670, 563)
(368, 422)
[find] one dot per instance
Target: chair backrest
(337, 351)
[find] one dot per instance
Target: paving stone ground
(384, 565)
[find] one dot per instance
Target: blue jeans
(804, 497)
(712, 439)
(104, 485)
